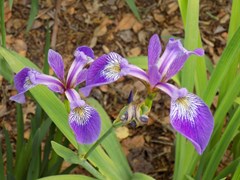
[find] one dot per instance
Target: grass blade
(230, 169)
(1, 162)
(228, 58)
(133, 7)
(2, 20)
(222, 145)
(20, 131)
(33, 14)
(9, 154)
(46, 48)
(70, 177)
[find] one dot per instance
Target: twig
(55, 27)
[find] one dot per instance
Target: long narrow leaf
(70, 177)
(133, 7)
(1, 162)
(33, 14)
(228, 58)
(9, 154)
(222, 145)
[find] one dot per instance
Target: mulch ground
(110, 26)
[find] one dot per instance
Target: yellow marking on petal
(80, 111)
(183, 101)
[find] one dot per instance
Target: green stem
(3, 31)
(105, 135)
(149, 100)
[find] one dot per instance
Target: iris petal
(173, 59)
(85, 123)
(86, 50)
(51, 82)
(154, 51)
(56, 63)
(106, 69)
(23, 83)
(192, 118)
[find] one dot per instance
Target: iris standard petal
(85, 123)
(173, 59)
(74, 71)
(86, 50)
(154, 75)
(23, 83)
(51, 82)
(56, 62)
(192, 118)
(154, 51)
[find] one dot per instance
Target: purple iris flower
(189, 115)
(83, 119)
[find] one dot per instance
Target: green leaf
(33, 14)
(20, 131)
(221, 146)
(1, 162)
(69, 156)
(9, 154)
(5, 70)
(229, 169)
(140, 61)
(34, 167)
(133, 7)
(141, 176)
(237, 100)
(2, 21)
(111, 144)
(68, 177)
(228, 58)
(236, 175)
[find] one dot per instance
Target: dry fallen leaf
(137, 26)
(122, 132)
(134, 52)
(135, 142)
(20, 46)
(102, 28)
(126, 23)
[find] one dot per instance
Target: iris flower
(83, 119)
(189, 115)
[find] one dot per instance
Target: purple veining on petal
(85, 123)
(173, 59)
(192, 118)
(51, 82)
(154, 75)
(23, 83)
(154, 51)
(74, 72)
(56, 63)
(81, 77)
(106, 69)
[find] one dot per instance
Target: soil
(110, 26)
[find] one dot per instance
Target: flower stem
(100, 140)
(149, 100)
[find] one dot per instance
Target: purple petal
(86, 50)
(81, 77)
(154, 75)
(172, 90)
(56, 63)
(85, 123)
(192, 118)
(75, 71)
(154, 51)
(106, 69)
(51, 82)
(173, 59)
(74, 98)
(23, 83)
